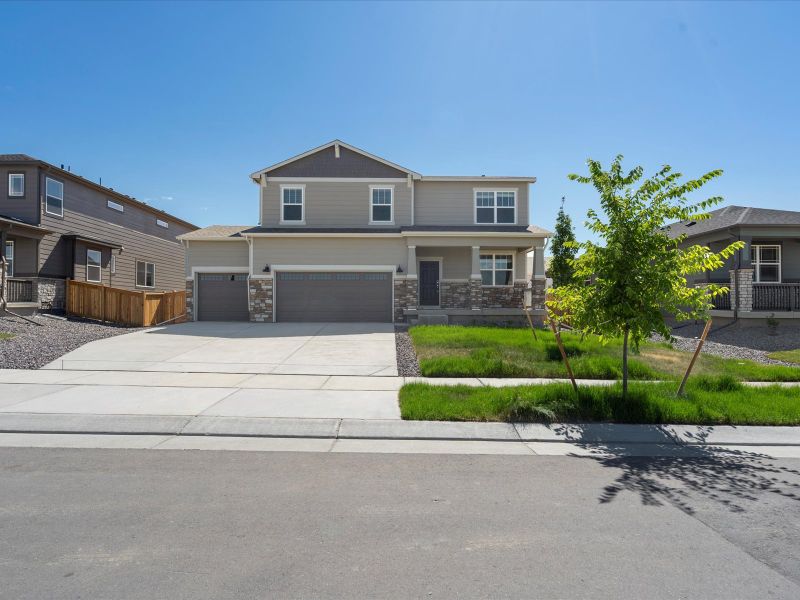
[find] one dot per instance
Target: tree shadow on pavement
(667, 469)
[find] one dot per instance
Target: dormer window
(293, 204)
(381, 204)
(495, 206)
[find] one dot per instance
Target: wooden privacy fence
(126, 307)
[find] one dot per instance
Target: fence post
(103, 302)
(144, 308)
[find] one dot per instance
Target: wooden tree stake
(530, 322)
(694, 356)
(563, 353)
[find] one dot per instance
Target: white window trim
(136, 274)
(162, 223)
(756, 259)
(115, 206)
(475, 191)
(391, 205)
(100, 265)
(12, 176)
(46, 196)
(493, 254)
(297, 186)
(11, 266)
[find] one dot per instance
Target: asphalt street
(214, 524)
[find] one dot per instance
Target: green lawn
(709, 401)
(792, 356)
(449, 351)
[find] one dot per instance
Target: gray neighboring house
(344, 235)
(764, 277)
(56, 225)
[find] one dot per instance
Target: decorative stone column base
(538, 293)
(405, 297)
(260, 300)
(743, 289)
(475, 294)
(190, 299)
(50, 293)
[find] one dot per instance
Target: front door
(429, 283)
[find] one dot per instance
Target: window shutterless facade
(381, 204)
(94, 268)
(497, 269)
(145, 274)
(162, 223)
(495, 207)
(16, 185)
(766, 263)
(9, 254)
(54, 197)
(115, 206)
(293, 204)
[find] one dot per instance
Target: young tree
(563, 250)
(638, 271)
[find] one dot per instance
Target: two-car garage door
(301, 296)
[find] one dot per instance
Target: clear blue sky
(177, 103)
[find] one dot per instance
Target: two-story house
(345, 235)
(56, 225)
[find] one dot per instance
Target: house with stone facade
(763, 277)
(344, 235)
(56, 225)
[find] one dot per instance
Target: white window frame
(115, 206)
(99, 266)
(302, 188)
(14, 176)
(494, 192)
(756, 259)
(136, 274)
(372, 188)
(47, 197)
(162, 223)
(494, 255)
(10, 263)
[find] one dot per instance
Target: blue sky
(177, 103)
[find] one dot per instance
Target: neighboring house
(347, 236)
(764, 277)
(55, 225)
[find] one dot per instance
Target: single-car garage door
(222, 297)
(332, 297)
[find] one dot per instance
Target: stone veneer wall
(50, 293)
(745, 285)
(405, 297)
(190, 299)
(454, 294)
(538, 293)
(503, 297)
(260, 300)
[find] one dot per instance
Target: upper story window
(145, 274)
(766, 263)
(381, 204)
(16, 184)
(293, 204)
(54, 197)
(496, 206)
(94, 261)
(497, 269)
(161, 223)
(115, 206)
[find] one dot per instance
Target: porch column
(412, 261)
(746, 256)
(475, 291)
(538, 279)
(741, 290)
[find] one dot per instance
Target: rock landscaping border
(407, 363)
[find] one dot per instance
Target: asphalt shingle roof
(735, 216)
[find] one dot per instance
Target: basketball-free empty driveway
(365, 349)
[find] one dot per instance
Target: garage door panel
(222, 297)
(334, 297)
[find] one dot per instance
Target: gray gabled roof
(16, 158)
(735, 216)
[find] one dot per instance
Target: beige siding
(456, 261)
(453, 202)
(334, 204)
(329, 251)
(522, 240)
(217, 254)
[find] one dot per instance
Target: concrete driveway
(366, 349)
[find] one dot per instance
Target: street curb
(574, 433)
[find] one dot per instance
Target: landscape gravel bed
(33, 347)
(754, 336)
(724, 350)
(407, 364)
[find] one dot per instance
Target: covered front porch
(19, 263)
(452, 280)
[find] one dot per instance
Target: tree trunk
(625, 363)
